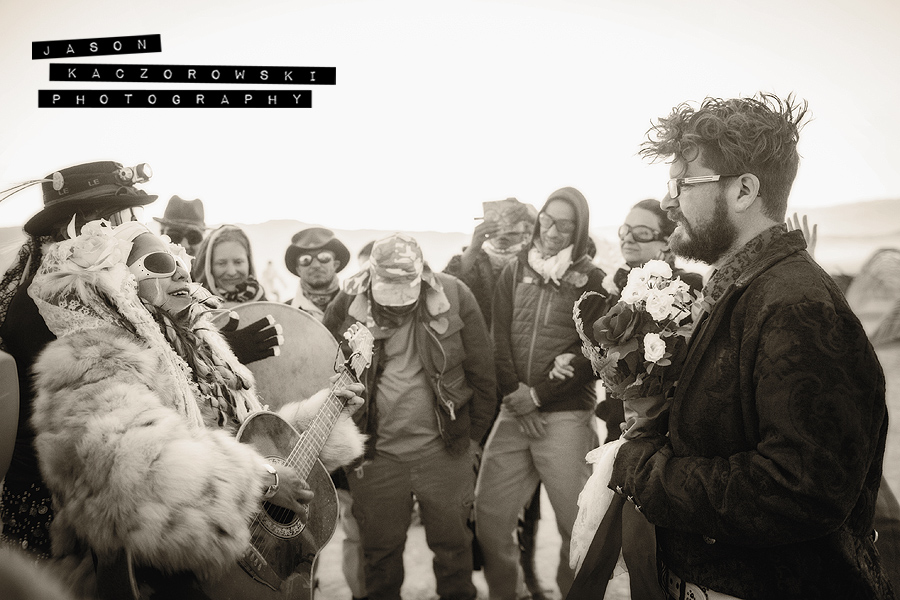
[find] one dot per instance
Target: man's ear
(337, 265)
(748, 192)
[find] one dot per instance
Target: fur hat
(187, 214)
(310, 241)
(88, 186)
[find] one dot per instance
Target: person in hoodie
(224, 266)
(544, 428)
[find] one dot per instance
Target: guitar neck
(306, 451)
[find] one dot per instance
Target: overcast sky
(440, 106)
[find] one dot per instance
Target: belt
(679, 589)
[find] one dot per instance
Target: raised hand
(261, 339)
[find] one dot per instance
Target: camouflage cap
(396, 265)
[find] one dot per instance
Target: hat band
(101, 190)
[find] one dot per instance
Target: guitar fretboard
(306, 451)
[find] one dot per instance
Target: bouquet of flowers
(637, 350)
(640, 339)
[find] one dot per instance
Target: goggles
(640, 233)
(674, 185)
(132, 213)
(324, 257)
(563, 226)
(154, 265)
(192, 236)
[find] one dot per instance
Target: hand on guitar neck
(292, 490)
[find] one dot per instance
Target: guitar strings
(302, 459)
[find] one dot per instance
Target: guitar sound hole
(282, 516)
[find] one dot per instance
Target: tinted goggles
(154, 265)
(640, 233)
(304, 260)
(562, 225)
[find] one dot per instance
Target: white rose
(634, 292)
(654, 347)
(658, 268)
(638, 276)
(659, 304)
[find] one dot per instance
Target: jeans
(511, 468)
(352, 562)
(382, 504)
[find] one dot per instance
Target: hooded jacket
(532, 320)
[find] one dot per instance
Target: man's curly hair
(739, 135)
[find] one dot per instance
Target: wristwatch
(272, 489)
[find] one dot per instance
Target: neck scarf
(321, 297)
(553, 267)
(500, 258)
(246, 291)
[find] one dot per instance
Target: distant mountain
(847, 235)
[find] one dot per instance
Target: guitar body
(288, 542)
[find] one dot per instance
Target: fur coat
(128, 471)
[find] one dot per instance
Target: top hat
(88, 186)
(309, 241)
(183, 213)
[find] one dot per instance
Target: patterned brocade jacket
(767, 486)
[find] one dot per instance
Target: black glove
(261, 339)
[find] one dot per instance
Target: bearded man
(766, 484)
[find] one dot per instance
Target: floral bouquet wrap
(637, 349)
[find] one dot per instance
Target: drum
(307, 357)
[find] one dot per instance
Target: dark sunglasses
(675, 185)
(192, 236)
(304, 260)
(640, 233)
(154, 265)
(563, 226)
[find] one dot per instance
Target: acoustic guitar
(279, 564)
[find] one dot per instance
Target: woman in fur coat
(137, 403)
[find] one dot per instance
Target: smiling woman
(224, 266)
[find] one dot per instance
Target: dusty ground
(419, 584)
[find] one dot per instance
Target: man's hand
(256, 341)
(562, 368)
(533, 425)
(293, 491)
(810, 235)
(520, 401)
(350, 394)
(483, 231)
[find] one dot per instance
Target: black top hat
(313, 239)
(88, 186)
(183, 213)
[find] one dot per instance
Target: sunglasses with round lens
(674, 185)
(192, 236)
(563, 226)
(304, 260)
(154, 265)
(640, 233)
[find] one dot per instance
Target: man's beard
(706, 242)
